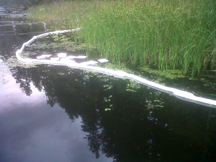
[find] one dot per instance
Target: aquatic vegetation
(86, 65)
(13, 62)
(56, 43)
(168, 73)
(157, 34)
(51, 45)
(160, 34)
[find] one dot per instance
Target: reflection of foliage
(24, 78)
(128, 126)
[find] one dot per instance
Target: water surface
(50, 113)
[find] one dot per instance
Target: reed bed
(162, 34)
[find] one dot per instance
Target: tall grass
(163, 34)
(64, 9)
(166, 34)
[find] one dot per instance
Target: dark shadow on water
(127, 121)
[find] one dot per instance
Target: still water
(50, 113)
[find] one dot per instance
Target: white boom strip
(187, 96)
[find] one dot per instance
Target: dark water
(57, 114)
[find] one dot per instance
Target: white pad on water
(91, 62)
(77, 57)
(54, 59)
(71, 57)
(103, 60)
(62, 55)
(81, 57)
(67, 60)
(43, 57)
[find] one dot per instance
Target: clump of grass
(161, 34)
(168, 34)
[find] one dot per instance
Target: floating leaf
(107, 109)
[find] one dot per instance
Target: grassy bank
(162, 34)
(72, 10)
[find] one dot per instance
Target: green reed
(162, 34)
(167, 34)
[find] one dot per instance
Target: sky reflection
(33, 131)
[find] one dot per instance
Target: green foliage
(160, 34)
(168, 34)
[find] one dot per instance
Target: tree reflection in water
(124, 120)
